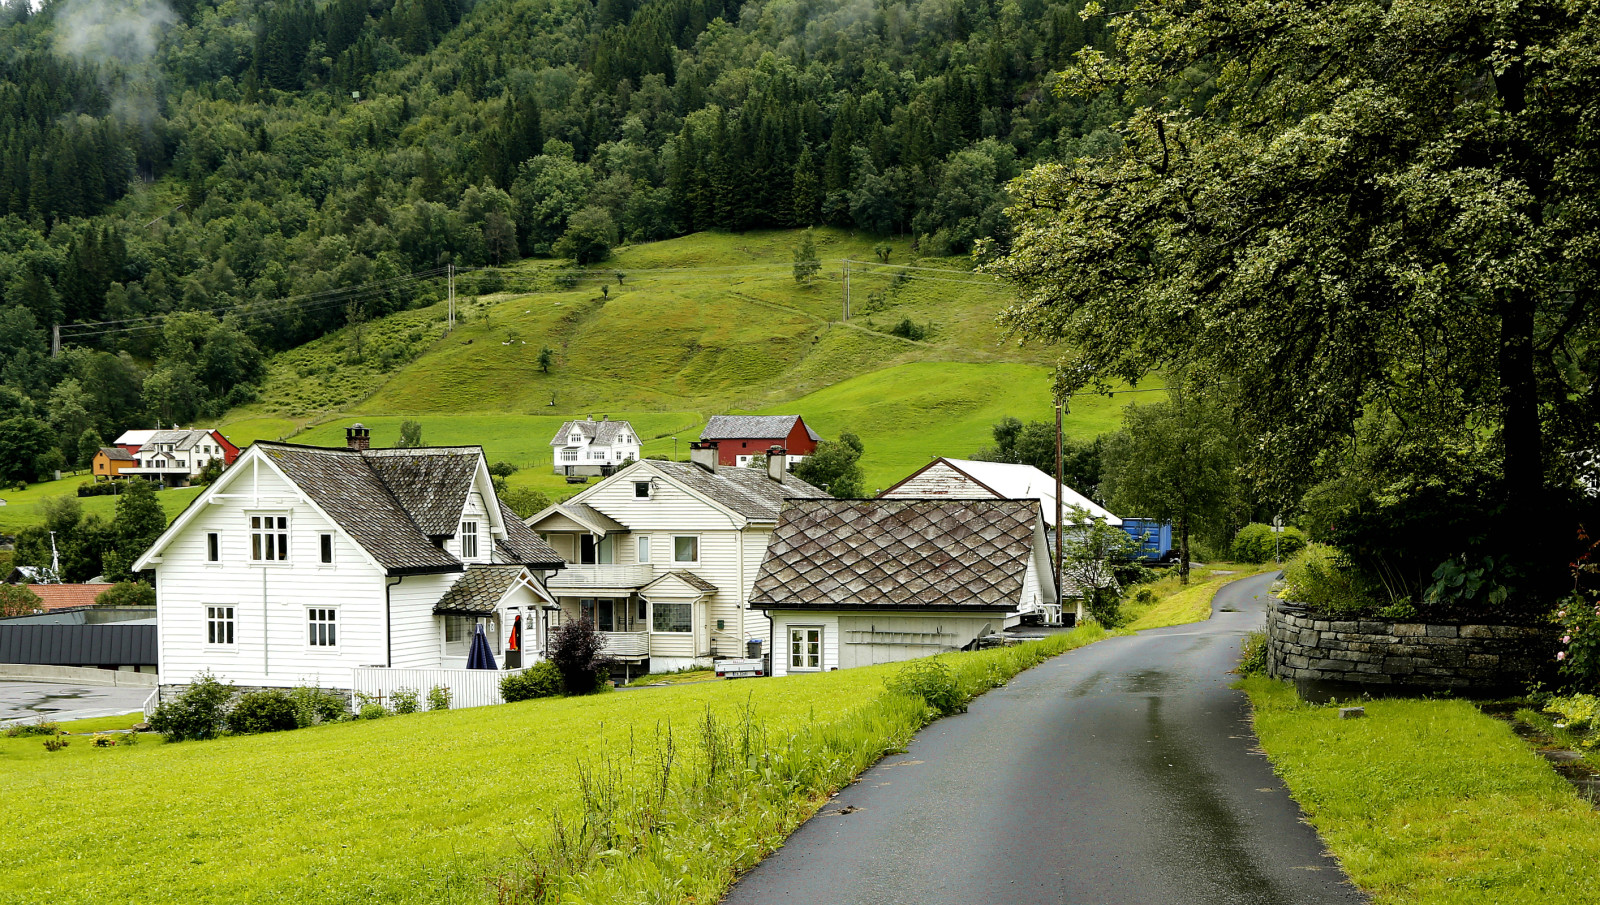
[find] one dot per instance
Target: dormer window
(577, 438)
(469, 540)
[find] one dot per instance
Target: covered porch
(508, 602)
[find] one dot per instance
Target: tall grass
(657, 825)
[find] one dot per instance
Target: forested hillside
(217, 159)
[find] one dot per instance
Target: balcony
(592, 578)
(627, 644)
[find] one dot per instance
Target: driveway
(28, 700)
(1124, 773)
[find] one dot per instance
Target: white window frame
(686, 562)
(642, 549)
(648, 487)
(327, 619)
(283, 534)
(214, 546)
(332, 558)
(656, 608)
(469, 538)
(569, 455)
(465, 622)
(220, 616)
(822, 647)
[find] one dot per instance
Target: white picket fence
(468, 687)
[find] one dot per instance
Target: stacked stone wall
(1324, 656)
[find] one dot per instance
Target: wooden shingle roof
(116, 454)
(478, 592)
(752, 427)
(944, 554)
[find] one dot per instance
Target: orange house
(110, 461)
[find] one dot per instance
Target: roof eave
(443, 569)
(884, 607)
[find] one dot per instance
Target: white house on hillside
(967, 478)
(175, 456)
(857, 582)
(301, 562)
(591, 447)
(661, 555)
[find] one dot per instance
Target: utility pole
(55, 340)
(1060, 516)
(450, 293)
(846, 290)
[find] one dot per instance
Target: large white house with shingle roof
(302, 562)
(591, 447)
(661, 556)
(857, 582)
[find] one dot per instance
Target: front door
(604, 620)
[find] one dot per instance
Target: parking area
(27, 700)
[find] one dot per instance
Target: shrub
(127, 593)
(541, 680)
(103, 740)
(372, 711)
(198, 713)
(55, 744)
(439, 697)
(578, 652)
(314, 705)
(909, 329)
(128, 739)
(263, 711)
(1319, 578)
(931, 681)
(405, 701)
(40, 726)
(1254, 543)
(1253, 655)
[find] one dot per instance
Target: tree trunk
(1183, 548)
(1522, 484)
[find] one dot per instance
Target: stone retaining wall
(1327, 658)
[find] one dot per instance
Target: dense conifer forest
(212, 159)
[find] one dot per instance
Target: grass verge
(1431, 802)
(423, 808)
(1178, 605)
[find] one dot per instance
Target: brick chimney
(356, 436)
(777, 463)
(704, 454)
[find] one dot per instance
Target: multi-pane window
(686, 549)
(569, 455)
(673, 617)
(325, 548)
(469, 540)
(323, 624)
(219, 625)
(457, 628)
(805, 647)
(213, 547)
(269, 538)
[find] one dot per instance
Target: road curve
(1124, 772)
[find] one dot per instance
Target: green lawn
(22, 507)
(1179, 605)
(1431, 802)
(407, 809)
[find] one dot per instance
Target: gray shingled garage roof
(914, 554)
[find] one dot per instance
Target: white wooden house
(175, 457)
(591, 447)
(968, 478)
(857, 582)
(662, 555)
(302, 563)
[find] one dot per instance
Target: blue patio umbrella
(479, 656)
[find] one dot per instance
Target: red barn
(742, 437)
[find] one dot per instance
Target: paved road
(1124, 773)
(26, 701)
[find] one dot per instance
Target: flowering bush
(1579, 618)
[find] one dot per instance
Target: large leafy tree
(1379, 206)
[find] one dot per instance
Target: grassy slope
(1178, 605)
(1432, 802)
(22, 507)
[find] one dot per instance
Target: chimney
(777, 463)
(704, 454)
(356, 437)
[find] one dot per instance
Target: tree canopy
(1346, 213)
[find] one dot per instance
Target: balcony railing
(627, 644)
(603, 576)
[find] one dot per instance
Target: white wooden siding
(270, 600)
(940, 480)
(417, 635)
(784, 619)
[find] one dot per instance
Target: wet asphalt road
(25, 701)
(1123, 773)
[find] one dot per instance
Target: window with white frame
(219, 625)
(641, 490)
(569, 455)
(325, 548)
(686, 549)
(469, 540)
(213, 547)
(805, 648)
(672, 617)
(323, 625)
(644, 549)
(269, 538)
(457, 628)
(597, 454)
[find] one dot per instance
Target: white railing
(151, 703)
(603, 576)
(627, 644)
(468, 687)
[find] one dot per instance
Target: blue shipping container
(1154, 536)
